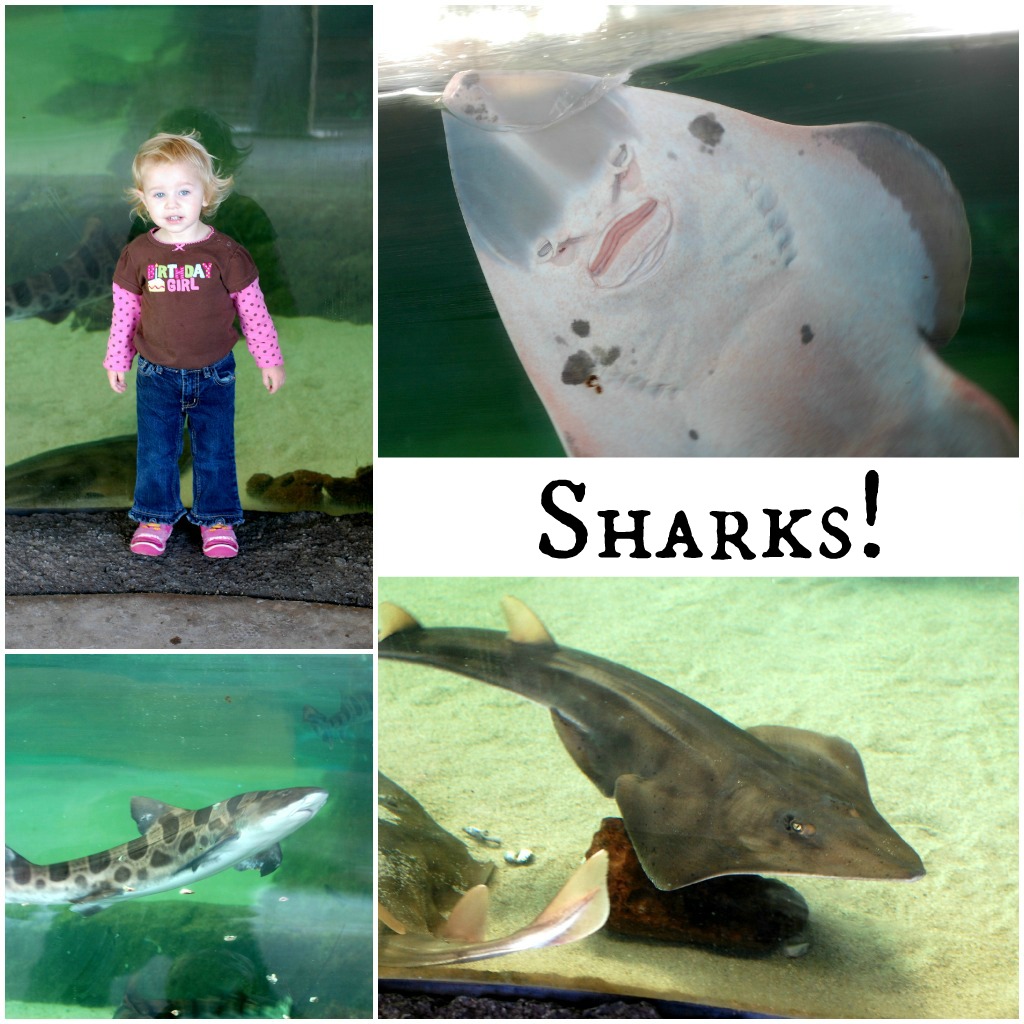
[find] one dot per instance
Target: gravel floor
(296, 556)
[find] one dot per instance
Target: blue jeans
(166, 398)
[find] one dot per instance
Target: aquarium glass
(282, 96)
(87, 733)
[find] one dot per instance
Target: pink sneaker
(151, 538)
(219, 541)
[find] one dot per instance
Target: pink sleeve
(121, 343)
(258, 328)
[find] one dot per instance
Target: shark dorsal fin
(468, 919)
(147, 811)
(391, 620)
(523, 625)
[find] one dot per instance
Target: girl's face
(173, 196)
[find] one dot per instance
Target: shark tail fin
(585, 896)
(391, 619)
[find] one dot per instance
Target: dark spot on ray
(159, 859)
(806, 334)
(143, 874)
(581, 328)
(170, 827)
(137, 848)
(578, 367)
(58, 872)
(234, 803)
(559, 340)
(707, 129)
(80, 881)
(99, 862)
(40, 882)
(188, 840)
(122, 874)
(203, 816)
(671, 155)
(607, 356)
(694, 436)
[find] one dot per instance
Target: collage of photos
(274, 749)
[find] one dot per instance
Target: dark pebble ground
(293, 556)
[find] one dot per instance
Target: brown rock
(732, 913)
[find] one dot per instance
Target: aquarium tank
(450, 383)
(282, 97)
(505, 734)
(88, 734)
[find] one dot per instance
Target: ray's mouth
(632, 246)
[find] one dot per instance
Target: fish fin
(809, 749)
(579, 744)
(14, 859)
(147, 811)
(667, 823)
(386, 917)
(468, 920)
(266, 860)
(584, 895)
(95, 901)
(523, 625)
(391, 619)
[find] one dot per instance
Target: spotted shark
(83, 277)
(355, 709)
(176, 846)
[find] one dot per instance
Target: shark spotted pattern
(176, 845)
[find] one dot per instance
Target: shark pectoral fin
(583, 900)
(468, 919)
(391, 619)
(668, 825)
(813, 751)
(266, 860)
(580, 745)
(95, 901)
(146, 811)
(523, 625)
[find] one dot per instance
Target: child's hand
(273, 378)
(117, 380)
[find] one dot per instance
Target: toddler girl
(177, 290)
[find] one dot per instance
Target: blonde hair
(166, 148)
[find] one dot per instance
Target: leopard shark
(82, 277)
(176, 846)
(355, 709)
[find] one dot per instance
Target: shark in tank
(175, 846)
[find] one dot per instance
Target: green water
(85, 85)
(449, 381)
(86, 733)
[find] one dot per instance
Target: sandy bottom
(919, 674)
(321, 420)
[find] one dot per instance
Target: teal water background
(85, 85)
(84, 734)
(449, 381)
